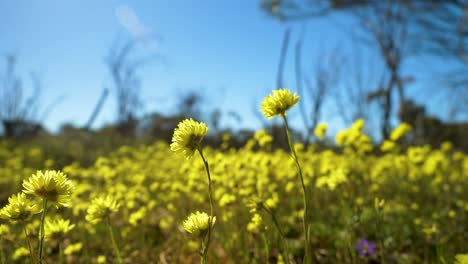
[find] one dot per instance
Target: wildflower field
(186, 203)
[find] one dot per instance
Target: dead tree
(18, 113)
(386, 26)
(126, 84)
(97, 109)
(319, 84)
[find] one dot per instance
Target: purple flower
(365, 247)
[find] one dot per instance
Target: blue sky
(228, 50)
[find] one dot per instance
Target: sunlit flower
(278, 102)
(20, 253)
(4, 230)
(197, 223)
(320, 130)
(101, 208)
(56, 229)
(400, 131)
(188, 136)
(73, 248)
(101, 259)
(263, 138)
(461, 259)
(387, 146)
(19, 207)
(255, 224)
(53, 186)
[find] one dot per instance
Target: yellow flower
(263, 138)
(53, 186)
(187, 137)
(400, 131)
(255, 224)
(461, 259)
(73, 248)
(20, 253)
(19, 207)
(4, 231)
(379, 203)
(278, 102)
(320, 130)
(197, 223)
(387, 146)
(101, 259)
(101, 208)
(56, 229)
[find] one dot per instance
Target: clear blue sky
(227, 49)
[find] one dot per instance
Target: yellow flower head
(387, 146)
(101, 208)
(461, 259)
(400, 131)
(54, 186)
(278, 102)
(263, 138)
(255, 224)
(320, 130)
(20, 253)
(73, 248)
(19, 207)
(4, 231)
(197, 223)
(56, 229)
(187, 137)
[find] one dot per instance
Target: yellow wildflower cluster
(410, 198)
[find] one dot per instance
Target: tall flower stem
(60, 248)
(41, 230)
(2, 255)
(31, 252)
(114, 243)
(307, 256)
(210, 225)
(280, 231)
(267, 249)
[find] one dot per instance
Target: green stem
(41, 230)
(210, 226)
(60, 253)
(283, 237)
(267, 249)
(114, 244)
(203, 259)
(31, 252)
(2, 255)
(307, 257)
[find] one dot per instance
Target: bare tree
(126, 83)
(18, 113)
(293, 10)
(443, 33)
(97, 109)
(362, 76)
(318, 85)
(386, 25)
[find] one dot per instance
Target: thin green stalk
(114, 244)
(41, 230)
(203, 254)
(267, 249)
(60, 253)
(280, 231)
(31, 252)
(210, 226)
(307, 256)
(2, 255)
